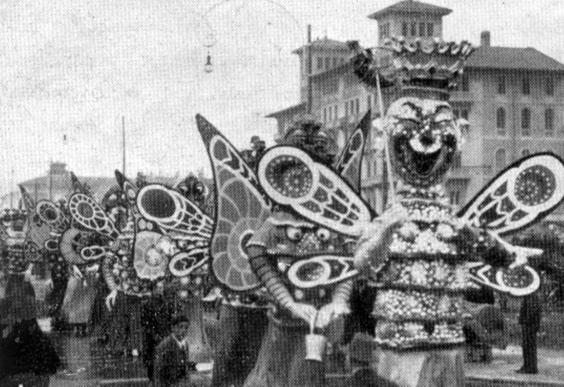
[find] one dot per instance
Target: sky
(71, 69)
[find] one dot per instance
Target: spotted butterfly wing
(172, 212)
(37, 232)
(241, 208)
(349, 162)
(522, 194)
(87, 213)
(291, 177)
(517, 282)
(52, 215)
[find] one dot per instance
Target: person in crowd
(156, 314)
(172, 364)
(529, 319)
(27, 356)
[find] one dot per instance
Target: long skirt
(78, 301)
(281, 360)
(431, 368)
(241, 330)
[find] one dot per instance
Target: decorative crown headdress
(418, 64)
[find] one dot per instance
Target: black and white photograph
(281, 193)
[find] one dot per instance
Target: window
(464, 113)
(500, 159)
(357, 106)
(422, 30)
(384, 30)
(324, 114)
(368, 102)
(549, 122)
(549, 86)
(457, 160)
(501, 85)
(413, 29)
(335, 59)
(456, 113)
(526, 86)
(319, 63)
(454, 197)
(526, 122)
(336, 112)
(465, 82)
(525, 152)
(327, 63)
(404, 29)
(430, 29)
(500, 121)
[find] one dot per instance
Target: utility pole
(309, 68)
(123, 144)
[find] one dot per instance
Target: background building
(56, 184)
(513, 99)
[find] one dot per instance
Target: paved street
(85, 364)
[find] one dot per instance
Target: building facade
(512, 98)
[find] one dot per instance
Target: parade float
(158, 250)
(422, 254)
(286, 228)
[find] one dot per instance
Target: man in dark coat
(172, 365)
(529, 318)
(156, 315)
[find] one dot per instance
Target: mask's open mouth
(422, 159)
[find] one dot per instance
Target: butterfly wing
(52, 215)
(37, 232)
(291, 177)
(88, 214)
(171, 211)
(522, 194)
(241, 208)
(349, 162)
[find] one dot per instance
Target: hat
(179, 318)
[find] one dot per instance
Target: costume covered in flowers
(156, 251)
(423, 255)
(264, 237)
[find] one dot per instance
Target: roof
(513, 58)
(294, 108)
(324, 43)
(410, 6)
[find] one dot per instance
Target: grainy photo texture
(281, 193)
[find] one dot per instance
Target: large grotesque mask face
(423, 138)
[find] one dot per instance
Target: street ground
(85, 364)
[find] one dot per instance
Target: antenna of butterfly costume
(423, 255)
(277, 227)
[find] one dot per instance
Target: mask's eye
(294, 233)
(323, 234)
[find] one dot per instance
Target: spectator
(172, 365)
(156, 314)
(27, 356)
(529, 319)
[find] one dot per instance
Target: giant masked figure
(286, 229)
(422, 255)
